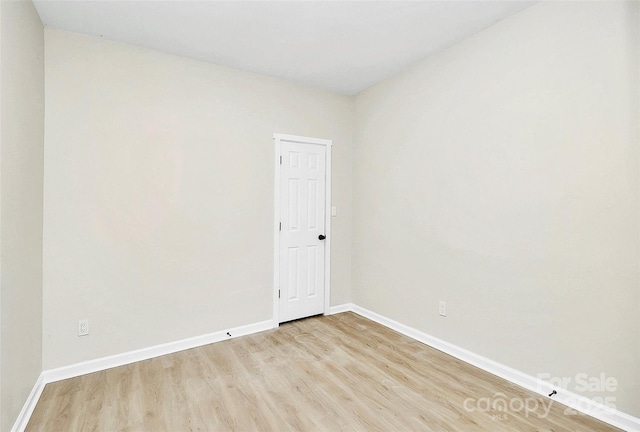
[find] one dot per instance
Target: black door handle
(321, 237)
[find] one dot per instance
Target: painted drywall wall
(501, 176)
(21, 171)
(158, 210)
(2, 416)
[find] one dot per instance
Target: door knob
(321, 237)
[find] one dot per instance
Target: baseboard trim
(574, 401)
(109, 362)
(346, 307)
(571, 400)
(28, 407)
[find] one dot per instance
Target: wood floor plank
(335, 373)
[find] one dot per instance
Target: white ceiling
(341, 46)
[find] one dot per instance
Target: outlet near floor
(83, 327)
(442, 308)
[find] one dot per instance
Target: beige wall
(21, 156)
(158, 208)
(501, 176)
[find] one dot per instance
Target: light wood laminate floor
(334, 373)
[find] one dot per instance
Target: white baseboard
(109, 362)
(29, 405)
(571, 400)
(574, 401)
(346, 307)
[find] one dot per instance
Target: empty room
(319, 215)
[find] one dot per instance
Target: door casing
(278, 138)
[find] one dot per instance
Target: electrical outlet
(83, 327)
(442, 308)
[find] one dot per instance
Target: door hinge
(280, 159)
(278, 293)
(280, 227)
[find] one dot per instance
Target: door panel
(303, 183)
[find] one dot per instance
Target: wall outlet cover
(83, 327)
(442, 308)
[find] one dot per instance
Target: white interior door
(302, 235)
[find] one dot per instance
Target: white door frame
(278, 139)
